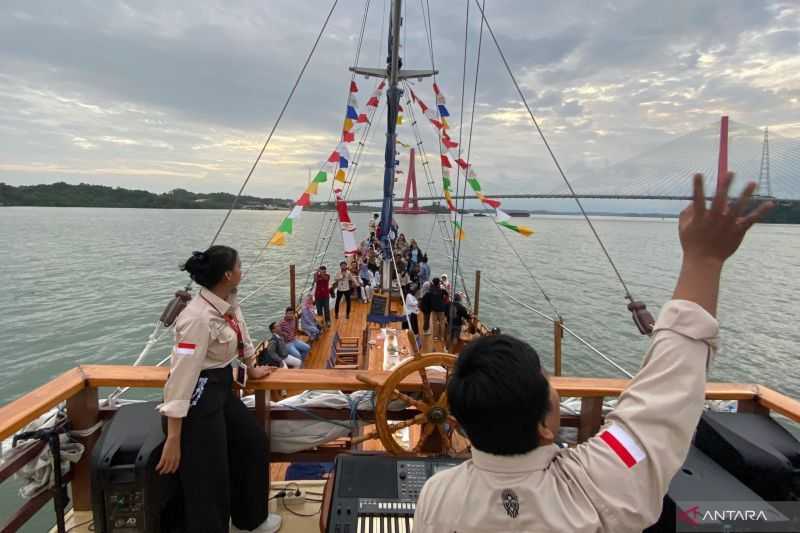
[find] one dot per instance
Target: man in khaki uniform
(518, 480)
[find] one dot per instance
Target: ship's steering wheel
(434, 430)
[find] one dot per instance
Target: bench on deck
(346, 353)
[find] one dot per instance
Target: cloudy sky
(159, 95)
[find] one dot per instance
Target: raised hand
(709, 237)
(715, 234)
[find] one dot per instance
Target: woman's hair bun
(207, 268)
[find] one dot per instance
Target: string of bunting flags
(438, 118)
(337, 164)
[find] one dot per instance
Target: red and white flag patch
(185, 348)
(623, 445)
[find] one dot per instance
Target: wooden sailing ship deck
(80, 389)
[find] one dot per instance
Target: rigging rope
(348, 187)
(469, 159)
(568, 330)
(275, 125)
(443, 225)
(553, 155)
(457, 234)
(352, 78)
(402, 296)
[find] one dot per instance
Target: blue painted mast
(393, 74)
(393, 93)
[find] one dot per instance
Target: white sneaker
(270, 525)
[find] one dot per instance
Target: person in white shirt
(411, 310)
(519, 480)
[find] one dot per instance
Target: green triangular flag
(321, 177)
(446, 182)
(475, 184)
(286, 225)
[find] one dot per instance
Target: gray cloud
(154, 95)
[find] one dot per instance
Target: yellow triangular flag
(312, 188)
(279, 239)
(340, 176)
(399, 119)
(525, 230)
(348, 124)
(444, 123)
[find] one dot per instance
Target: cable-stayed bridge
(664, 172)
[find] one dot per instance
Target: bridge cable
(553, 156)
(277, 122)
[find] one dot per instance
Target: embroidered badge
(198, 390)
(623, 445)
(510, 502)
(185, 348)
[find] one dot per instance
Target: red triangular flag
(304, 200)
(362, 118)
(381, 84)
(437, 123)
(446, 161)
(334, 157)
(372, 102)
(348, 137)
(435, 88)
(448, 143)
(353, 87)
(463, 164)
(493, 203)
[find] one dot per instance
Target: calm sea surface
(87, 285)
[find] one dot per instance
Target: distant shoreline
(84, 195)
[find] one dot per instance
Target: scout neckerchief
(241, 371)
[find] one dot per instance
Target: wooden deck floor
(354, 326)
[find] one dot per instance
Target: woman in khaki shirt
(213, 442)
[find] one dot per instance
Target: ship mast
(393, 73)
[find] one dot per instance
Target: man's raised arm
(626, 469)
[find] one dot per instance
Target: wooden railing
(79, 388)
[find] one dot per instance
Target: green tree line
(84, 195)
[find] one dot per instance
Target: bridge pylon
(764, 184)
(410, 201)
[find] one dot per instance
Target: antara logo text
(695, 515)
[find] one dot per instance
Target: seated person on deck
(519, 480)
(277, 353)
(288, 329)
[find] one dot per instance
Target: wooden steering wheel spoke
(419, 419)
(427, 430)
(362, 438)
(433, 410)
(422, 406)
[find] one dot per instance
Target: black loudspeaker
(757, 450)
(128, 496)
(701, 486)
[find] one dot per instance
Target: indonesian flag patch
(623, 445)
(185, 348)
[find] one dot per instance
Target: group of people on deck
(444, 314)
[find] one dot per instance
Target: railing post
(558, 336)
(590, 417)
(292, 289)
(82, 413)
(477, 299)
(751, 406)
